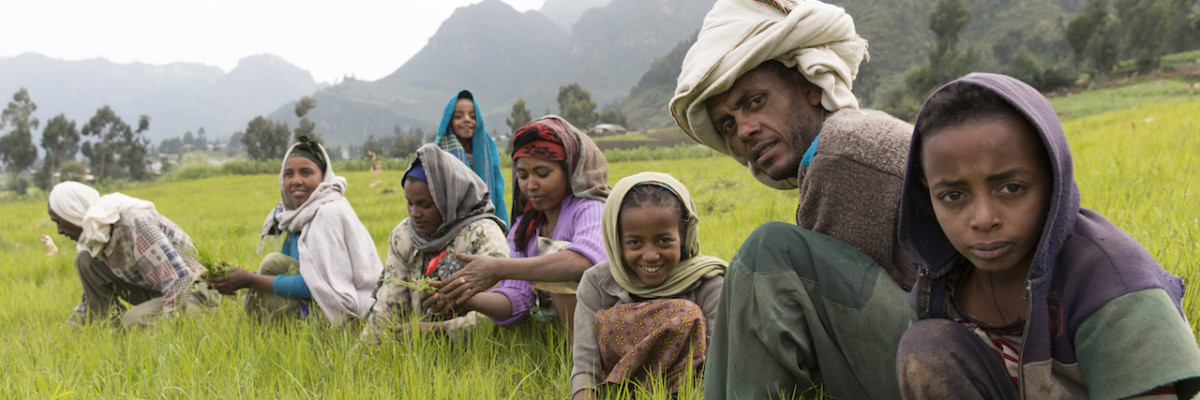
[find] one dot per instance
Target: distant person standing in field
(822, 302)
(127, 251)
(462, 134)
(448, 214)
(562, 181)
(327, 256)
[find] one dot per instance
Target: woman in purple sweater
(562, 182)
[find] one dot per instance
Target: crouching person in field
(450, 213)
(327, 256)
(647, 312)
(127, 251)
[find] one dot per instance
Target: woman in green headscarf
(650, 306)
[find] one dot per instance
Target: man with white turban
(822, 302)
(127, 251)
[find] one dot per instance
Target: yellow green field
(1147, 181)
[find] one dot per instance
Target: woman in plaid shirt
(127, 251)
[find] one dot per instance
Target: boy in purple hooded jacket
(1021, 292)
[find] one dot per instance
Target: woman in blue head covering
(461, 133)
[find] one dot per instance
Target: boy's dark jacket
(1104, 320)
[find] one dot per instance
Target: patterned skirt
(654, 339)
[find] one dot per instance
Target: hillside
(564, 13)
(489, 48)
(899, 35)
(178, 97)
(503, 55)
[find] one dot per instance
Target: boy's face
(990, 187)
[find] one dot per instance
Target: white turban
(82, 206)
(71, 200)
(816, 38)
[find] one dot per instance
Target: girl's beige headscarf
(692, 267)
(816, 38)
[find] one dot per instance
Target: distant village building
(606, 129)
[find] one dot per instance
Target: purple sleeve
(520, 295)
(586, 237)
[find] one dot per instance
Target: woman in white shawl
(327, 256)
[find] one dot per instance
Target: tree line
(1107, 32)
(116, 150)
(575, 104)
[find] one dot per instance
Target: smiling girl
(462, 134)
(327, 256)
(648, 309)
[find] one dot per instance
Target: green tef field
(1138, 166)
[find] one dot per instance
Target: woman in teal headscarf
(461, 133)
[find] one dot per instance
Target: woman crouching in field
(127, 251)
(562, 181)
(327, 254)
(647, 312)
(449, 213)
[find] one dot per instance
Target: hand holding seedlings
(420, 284)
(238, 278)
(468, 281)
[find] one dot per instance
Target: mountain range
(502, 55)
(178, 97)
(625, 52)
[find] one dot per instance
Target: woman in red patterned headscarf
(562, 182)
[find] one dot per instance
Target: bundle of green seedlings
(420, 284)
(212, 265)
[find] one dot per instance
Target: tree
(612, 114)
(1093, 38)
(16, 148)
(404, 144)
(376, 146)
(1024, 67)
(107, 127)
(575, 105)
(264, 139)
(306, 127)
(945, 63)
(189, 141)
(520, 116)
(60, 139)
(201, 139)
(234, 144)
(171, 146)
(72, 171)
(133, 148)
(1144, 24)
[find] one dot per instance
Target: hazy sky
(364, 38)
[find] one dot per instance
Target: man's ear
(814, 97)
(812, 93)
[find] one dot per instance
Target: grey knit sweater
(851, 190)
